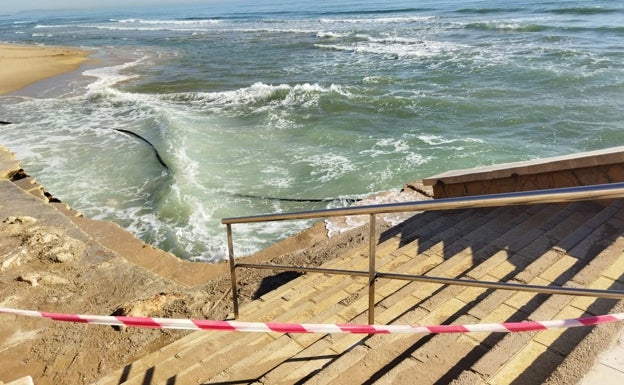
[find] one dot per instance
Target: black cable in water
(162, 162)
(349, 200)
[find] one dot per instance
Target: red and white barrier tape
(187, 324)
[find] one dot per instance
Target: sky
(12, 6)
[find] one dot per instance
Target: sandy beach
(24, 65)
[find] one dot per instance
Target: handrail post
(372, 274)
(232, 270)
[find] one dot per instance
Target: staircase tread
(574, 244)
(451, 292)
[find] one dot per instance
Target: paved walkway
(609, 368)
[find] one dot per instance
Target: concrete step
(534, 360)
(433, 309)
(538, 244)
(423, 224)
(299, 291)
(242, 372)
(497, 307)
(387, 314)
(164, 363)
(297, 298)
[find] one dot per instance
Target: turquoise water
(286, 99)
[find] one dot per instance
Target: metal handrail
(558, 195)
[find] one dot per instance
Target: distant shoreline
(23, 65)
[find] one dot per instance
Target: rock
(13, 260)
(31, 278)
(62, 256)
(51, 279)
(36, 278)
(160, 305)
(19, 220)
(52, 244)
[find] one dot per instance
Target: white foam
(330, 35)
(262, 96)
(328, 167)
(436, 140)
(379, 20)
(377, 79)
(279, 182)
(109, 76)
(335, 226)
(395, 48)
(415, 159)
(168, 22)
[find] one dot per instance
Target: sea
(270, 106)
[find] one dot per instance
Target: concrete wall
(597, 167)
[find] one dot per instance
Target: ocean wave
(507, 26)
(90, 26)
(598, 29)
(394, 48)
(294, 31)
(277, 176)
(138, 25)
(330, 35)
(436, 140)
(378, 20)
(584, 11)
(42, 26)
(135, 28)
(410, 41)
(487, 11)
(189, 21)
(107, 77)
(328, 167)
(377, 11)
(387, 146)
(416, 159)
(260, 95)
(377, 80)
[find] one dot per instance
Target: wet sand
(24, 65)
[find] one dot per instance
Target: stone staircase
(578, 245)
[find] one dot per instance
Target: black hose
(162, 162)
(349, 200)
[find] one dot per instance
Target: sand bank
(24, 65)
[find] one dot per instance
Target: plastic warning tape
(263, 327)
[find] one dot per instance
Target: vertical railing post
(372, 274)
(232, 269)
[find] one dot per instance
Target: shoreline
(53, 259)
(38, 64)
(23, 65)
